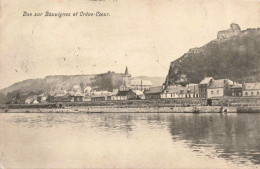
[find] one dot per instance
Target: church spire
(126, 71)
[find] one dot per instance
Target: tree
(82, 86)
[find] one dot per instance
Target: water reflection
(233, 137)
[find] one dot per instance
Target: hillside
(106, 81)
(235, 54)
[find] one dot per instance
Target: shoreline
(113, 109)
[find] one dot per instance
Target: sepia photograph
(95, 84)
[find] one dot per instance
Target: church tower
(126, 80)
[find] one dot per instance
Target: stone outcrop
(235, 54)
(234, 30)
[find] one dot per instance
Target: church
(126, 81)
(136, 84)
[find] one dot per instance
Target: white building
(174, 92)
(219, 88)
(251, 89)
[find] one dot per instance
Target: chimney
(141, 85)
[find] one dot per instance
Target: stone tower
(126, 80)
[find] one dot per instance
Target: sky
(145, 35)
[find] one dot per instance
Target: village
(208, 89)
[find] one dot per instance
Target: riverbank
(111, 109)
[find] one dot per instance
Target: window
(252, 93)
(212, 92)
(257, 93)
(217, 91)
(171, 94)
(245, 93)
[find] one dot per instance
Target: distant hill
(156, 81)
(235, 54)
(106, 81)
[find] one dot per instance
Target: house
(203, 86)
(100, 97)
(34, 99)
(24, 96)
(76, 96)
(62, 98)
(140, 94)
(251, 89)
(35, 102)
(154, 92)
(192, 91)
(29, 100)
(112, 95)
(174, 92)
(219, 88)
(42, 98)
(236, 90)
(139, 84)
(125, 95)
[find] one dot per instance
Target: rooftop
(154, 90)
(123, 92)
(101, 95)
(206, 80)
(251, 86)
(176, 89)
(236, 86)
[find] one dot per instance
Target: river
(134, 140)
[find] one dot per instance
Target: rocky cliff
(235, 54)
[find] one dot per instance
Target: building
(236, 90)
(33, 99)
(125, 95)
(192, 91)
(142, 85)
(174, 92)
(68, 97)
(29, 100)
(101, 97)
(219, 88)
(154, 92)
(140, 94)
(42, 98)
(203, 86)
(77, 97)
(126, 81)
(251, 89)
(61, 98)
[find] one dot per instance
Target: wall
(249, 93)
(218, 92)
(184, 102)
(233, 31)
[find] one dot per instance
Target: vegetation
(237, 58)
